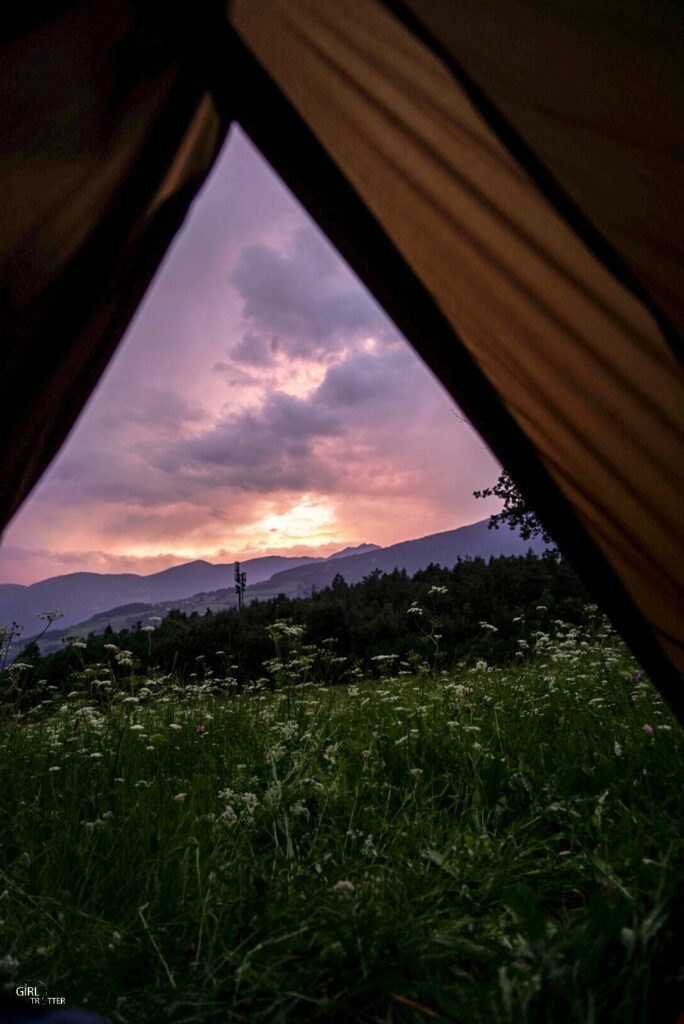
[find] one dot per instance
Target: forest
(477, 609)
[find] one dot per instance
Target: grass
(481, 845)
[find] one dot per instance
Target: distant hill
(360, 549)
(294, 581)
(443, 549)
(81, 595)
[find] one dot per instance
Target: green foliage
(476, 844)
(369, 620)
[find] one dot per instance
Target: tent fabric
(316, 181)
(107, 132)
(596, 90)
(554, 324)
(578, 360)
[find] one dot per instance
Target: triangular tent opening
(518, 219)
(260, 400)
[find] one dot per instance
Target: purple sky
(261, 402)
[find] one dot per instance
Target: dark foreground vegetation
(472, 839)
(359, 622)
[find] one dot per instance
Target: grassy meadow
(472, 844)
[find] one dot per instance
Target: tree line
(477, 609)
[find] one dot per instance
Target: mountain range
(91, 601)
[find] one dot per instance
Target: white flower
(617, 748)
(344, 888)
(49, 616)
(175, 726)
(180, 797)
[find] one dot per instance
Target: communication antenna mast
(240, 584)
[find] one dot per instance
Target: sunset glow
(261, 402)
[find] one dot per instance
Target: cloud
(270, 449)
(361, 430)
(255, 350)
(258, 380)
(302, 300)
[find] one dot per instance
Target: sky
(261, 402)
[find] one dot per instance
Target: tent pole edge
(289, 145)
(564, 205)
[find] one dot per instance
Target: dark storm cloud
(294, 443)
(305, 297)
(367, 381)
(270, 449)
(255, 350)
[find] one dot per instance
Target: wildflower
(618, 749)
(137, 728)
(415, 771)
(49, 616)
(200, 729)
(229, 816)
(251, 802)
(96, 755)
(55, 768)
(648, 729)
(368, 849)
(180, 797)
(344, 888)
(174, 727)
(9, 964)
(148, 629)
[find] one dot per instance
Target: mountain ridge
(300, 580)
